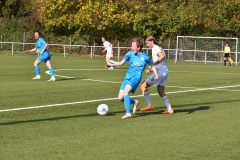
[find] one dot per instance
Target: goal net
(204, 49)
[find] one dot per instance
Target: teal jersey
(137, 64)
(40, 45)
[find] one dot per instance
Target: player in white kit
(160, 63)
(108, 47)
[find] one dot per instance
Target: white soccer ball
(102, 109)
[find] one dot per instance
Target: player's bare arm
(161, 56)
(117, 63)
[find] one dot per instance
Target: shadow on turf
(187, 111)
(177, 109)
(72, 78)
(139, 114)
(55, 118)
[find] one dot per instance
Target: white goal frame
(195, 49)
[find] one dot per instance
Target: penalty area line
(110, 99)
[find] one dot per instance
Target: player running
(108, 47)
(159, 59)
(44, 56)
(137, 62)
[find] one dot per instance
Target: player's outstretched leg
(146, 95)
(37, 71)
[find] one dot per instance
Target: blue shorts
(133, 82)
(44, 57)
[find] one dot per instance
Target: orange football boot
(147, 108)
(171, 111)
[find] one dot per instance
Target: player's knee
(120, 98)
(143, 88)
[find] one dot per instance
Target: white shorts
(109, 53)
(162, 80)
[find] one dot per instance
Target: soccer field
(44, 120)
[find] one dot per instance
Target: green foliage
(125, 19)
(87, 17)
(18, 16)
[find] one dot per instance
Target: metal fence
(66, 50)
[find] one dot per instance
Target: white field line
(109, 99)
(81, 70)
(229, 90)
(96, 80)
(85, 69)
(204, 72)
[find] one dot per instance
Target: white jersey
(163, 64)
(108, 46)
(161, 68)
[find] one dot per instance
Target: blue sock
(132, 101)
(127, 103)
(51, 71)
(37, 70)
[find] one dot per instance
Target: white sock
(167, 103)
(147, 98)
(111, 61)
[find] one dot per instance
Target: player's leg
(224, 59)
(51, 70)
(109, 55)
(121, 98)
(144, 87)
(112, 61)
(107, 60)
(127, 101)
(230, 61)
(37, 69)
(146, 94)
(120, 95)
(161, 92)
(122, 91)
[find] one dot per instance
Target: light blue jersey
(40, 45)
(137, 64)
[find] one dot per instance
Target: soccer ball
(102, 109)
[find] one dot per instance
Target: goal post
(204, 49)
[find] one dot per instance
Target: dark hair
(151, 38)
(39, 33)
(138, 42)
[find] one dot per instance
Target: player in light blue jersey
(159, 59)
(44, 56)
(137, 62)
